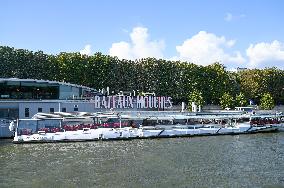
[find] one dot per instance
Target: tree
(254, 83)
(227, 101)
(267, 102)
(216, 81)
(196, 96)
(163, 77)
(273, 83)
(241, 100)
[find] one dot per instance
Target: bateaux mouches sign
(139, 102)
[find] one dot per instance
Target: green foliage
(255, 83)
(169, 78)
(227, 101)
(266, 102)
(216, 82)
(196, 96)
(241, 100)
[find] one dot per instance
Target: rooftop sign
(139, 102)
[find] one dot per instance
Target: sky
(236, 33)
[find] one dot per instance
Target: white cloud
(264, 54)
(206, 48)
(121, 50)
(87, 50)
(125, 30)
(231, 43)
(228, 17)
(203, 48)
(139, 47)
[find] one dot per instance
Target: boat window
(179, 121)
(242, 120)
(112, 120)
(147, 122)
(108, 120)
(165, 122)
(49, 125)
(39, 110)
(27, 127)
(131, 123)
(193, 127)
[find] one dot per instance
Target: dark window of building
(39, 110)
(63, 110)
(76, 108)
(28, 90)
(27, 112)
(51, 110)
(9, 113)
(4, 113)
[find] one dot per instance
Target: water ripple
(255, 160)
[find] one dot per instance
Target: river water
(255, 160)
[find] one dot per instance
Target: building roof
(45, 81)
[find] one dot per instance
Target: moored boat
(60, 126)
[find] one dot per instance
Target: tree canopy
(227, 101)
(168, 78)
(241, 100)
(196, 96)
(266, 102)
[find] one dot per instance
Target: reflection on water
(255, 160)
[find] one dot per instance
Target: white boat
(108, 126)
(48, 128)
(207, 125)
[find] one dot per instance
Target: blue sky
(238, 33)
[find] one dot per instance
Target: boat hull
(135, 133)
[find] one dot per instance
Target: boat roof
(62, 115)
(46, 115)
(160, 118)
(147, 116)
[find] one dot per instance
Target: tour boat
(208, 125)
(59, 126)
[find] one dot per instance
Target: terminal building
(22, 98)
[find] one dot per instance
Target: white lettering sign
(138, 102)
